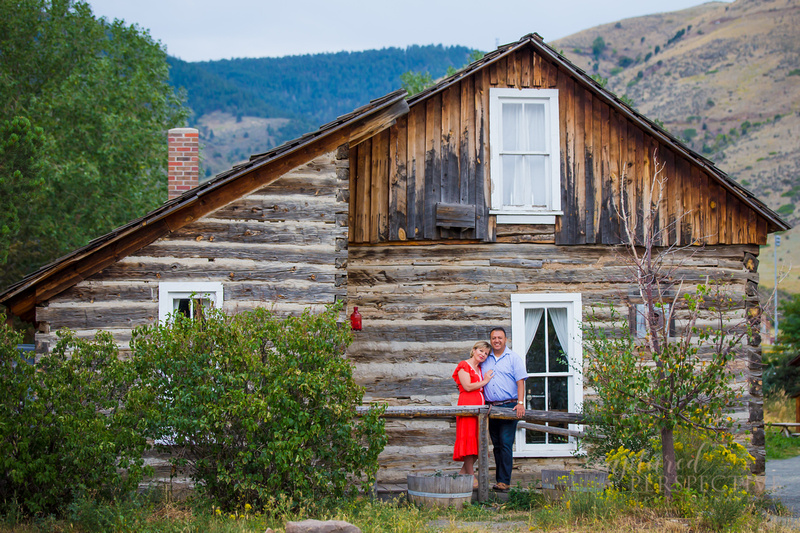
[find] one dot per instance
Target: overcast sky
(196, 30)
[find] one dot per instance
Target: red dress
(467, 426)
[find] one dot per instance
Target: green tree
(65, 430)
(415, 82)
(98, 94)
(598, 47)
(22, 168)
(673, 376)
(254, 406)
(789, 334)
(779, 375)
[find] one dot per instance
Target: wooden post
(797, 413)
(483, 454)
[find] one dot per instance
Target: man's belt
(502, 401)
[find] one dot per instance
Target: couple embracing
(493, 375)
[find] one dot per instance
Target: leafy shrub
(707, 464)
(521, 499)
(677, 36)
(625, 61)
(255, 406)
(714, 481)
(779, 375)
(598, 47)
(63, 428)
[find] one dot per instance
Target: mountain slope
(724, 77)
(245, 106)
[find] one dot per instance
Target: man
(506, 389)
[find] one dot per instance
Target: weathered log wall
(439, 153)
(424, 306)
(284, 247)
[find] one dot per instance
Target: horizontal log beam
(428, 411)
(502, 413)
(551, 429)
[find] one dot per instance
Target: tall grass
(778, 407)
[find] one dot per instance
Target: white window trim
(168, 291)
(520, 302)
(533, 215)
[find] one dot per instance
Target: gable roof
(534, 40)
(242, 179)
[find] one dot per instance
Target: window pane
(192, 308)
(557, 394)
(535, 393)
(524, 180)
(513, 187)
(534, 437)
(536, 176)
(512, 127)
(557, 359)
(535, 358)
(183, 306)
(198, 305)
(534, 137)
(558, 439)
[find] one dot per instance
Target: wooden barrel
(440, 490)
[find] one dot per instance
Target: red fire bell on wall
(355, 320)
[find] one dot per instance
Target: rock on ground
(317, 526)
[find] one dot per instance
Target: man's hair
(498, 328)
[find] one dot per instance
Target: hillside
(246, 106)
(725, 78)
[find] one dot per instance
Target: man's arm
(520, 407)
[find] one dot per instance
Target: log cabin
(487, 199)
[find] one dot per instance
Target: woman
(470, 381)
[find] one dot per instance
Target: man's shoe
(501, 487)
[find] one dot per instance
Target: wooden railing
(532, 421)
(786, 427)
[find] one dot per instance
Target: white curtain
(558, 316)
(532, 319)
(524, 176)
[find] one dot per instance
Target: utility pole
(775, 299)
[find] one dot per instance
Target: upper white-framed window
(547, 331)
(525, 155)
(188, 298)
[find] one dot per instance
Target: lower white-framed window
(547, 333)
(188, 298)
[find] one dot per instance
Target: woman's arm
(463, 377)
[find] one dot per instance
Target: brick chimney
(184, 161)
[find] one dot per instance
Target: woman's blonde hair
(481, 344)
